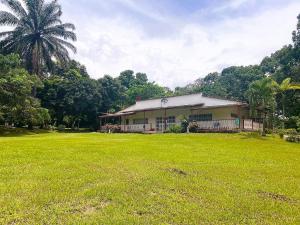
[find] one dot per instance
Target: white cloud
(232, 4)
(108, 46)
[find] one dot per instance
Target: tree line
(41, 85)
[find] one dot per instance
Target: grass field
(149, 179)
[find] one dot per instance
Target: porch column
(165, 120)
(125, 119)
(240, 118)
(144, 121)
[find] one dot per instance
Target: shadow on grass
(253, 135)
(69, 130)
(19, 132)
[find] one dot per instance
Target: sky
(177, 41)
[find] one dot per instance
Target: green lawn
(149, 179)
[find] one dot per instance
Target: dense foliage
(17, 106)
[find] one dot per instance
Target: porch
(213, 125)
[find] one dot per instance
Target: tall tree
(39, 36)
(296, 33)
(112, 94)
(261, 94)
(127, 78)
(16, 103)
(144, 92)
(285, 86)
(141, 78)
(72, 99)
(236, 80)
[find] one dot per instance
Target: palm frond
(294, 87)
(7, 18)
(6, 33)
(39, 34)
(16, 7)
(63, 43)
(60, 31)
(50, 14)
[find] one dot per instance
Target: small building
(157, 115)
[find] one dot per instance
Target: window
(127, 121)
(171, 119)
(159, 123)
(140, 121)
(200, 117)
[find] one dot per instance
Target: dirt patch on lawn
(178, 171)
(89, 209)
(276, 197)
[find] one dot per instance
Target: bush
(269, 131)
(293, 138)
(61, 127)
(293, 122)
(175, 129)
(184, 125)
(194, 127)
(282, 132)
(291, 131)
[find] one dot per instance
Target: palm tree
(39, 36)
(261, 94)
(285, 86)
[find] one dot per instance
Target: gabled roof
(179, 101)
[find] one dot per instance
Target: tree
(39, 36)
(62, 69)
(17, 106)
(112, 93)
(236, 80)
(73, 100)
(261, 95)
(127, 78)
(141, 78)
(285, 86)
(296, 34)
(192, 88)
(212, 87)
(144, 92)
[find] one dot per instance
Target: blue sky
(177, 41)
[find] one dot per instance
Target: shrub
(175, 129)
(293, 122)
(291, 131)
(61, 127)
(194, 127)
(282, 132)
(184, 125)
(269, 131)
(293, 138)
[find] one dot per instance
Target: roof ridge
(200, 93)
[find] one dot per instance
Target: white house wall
(223, 113)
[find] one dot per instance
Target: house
(157, 115)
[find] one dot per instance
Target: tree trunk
(35, 62)
(263, 133)
(283, 109)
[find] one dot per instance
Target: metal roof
(179, 101)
